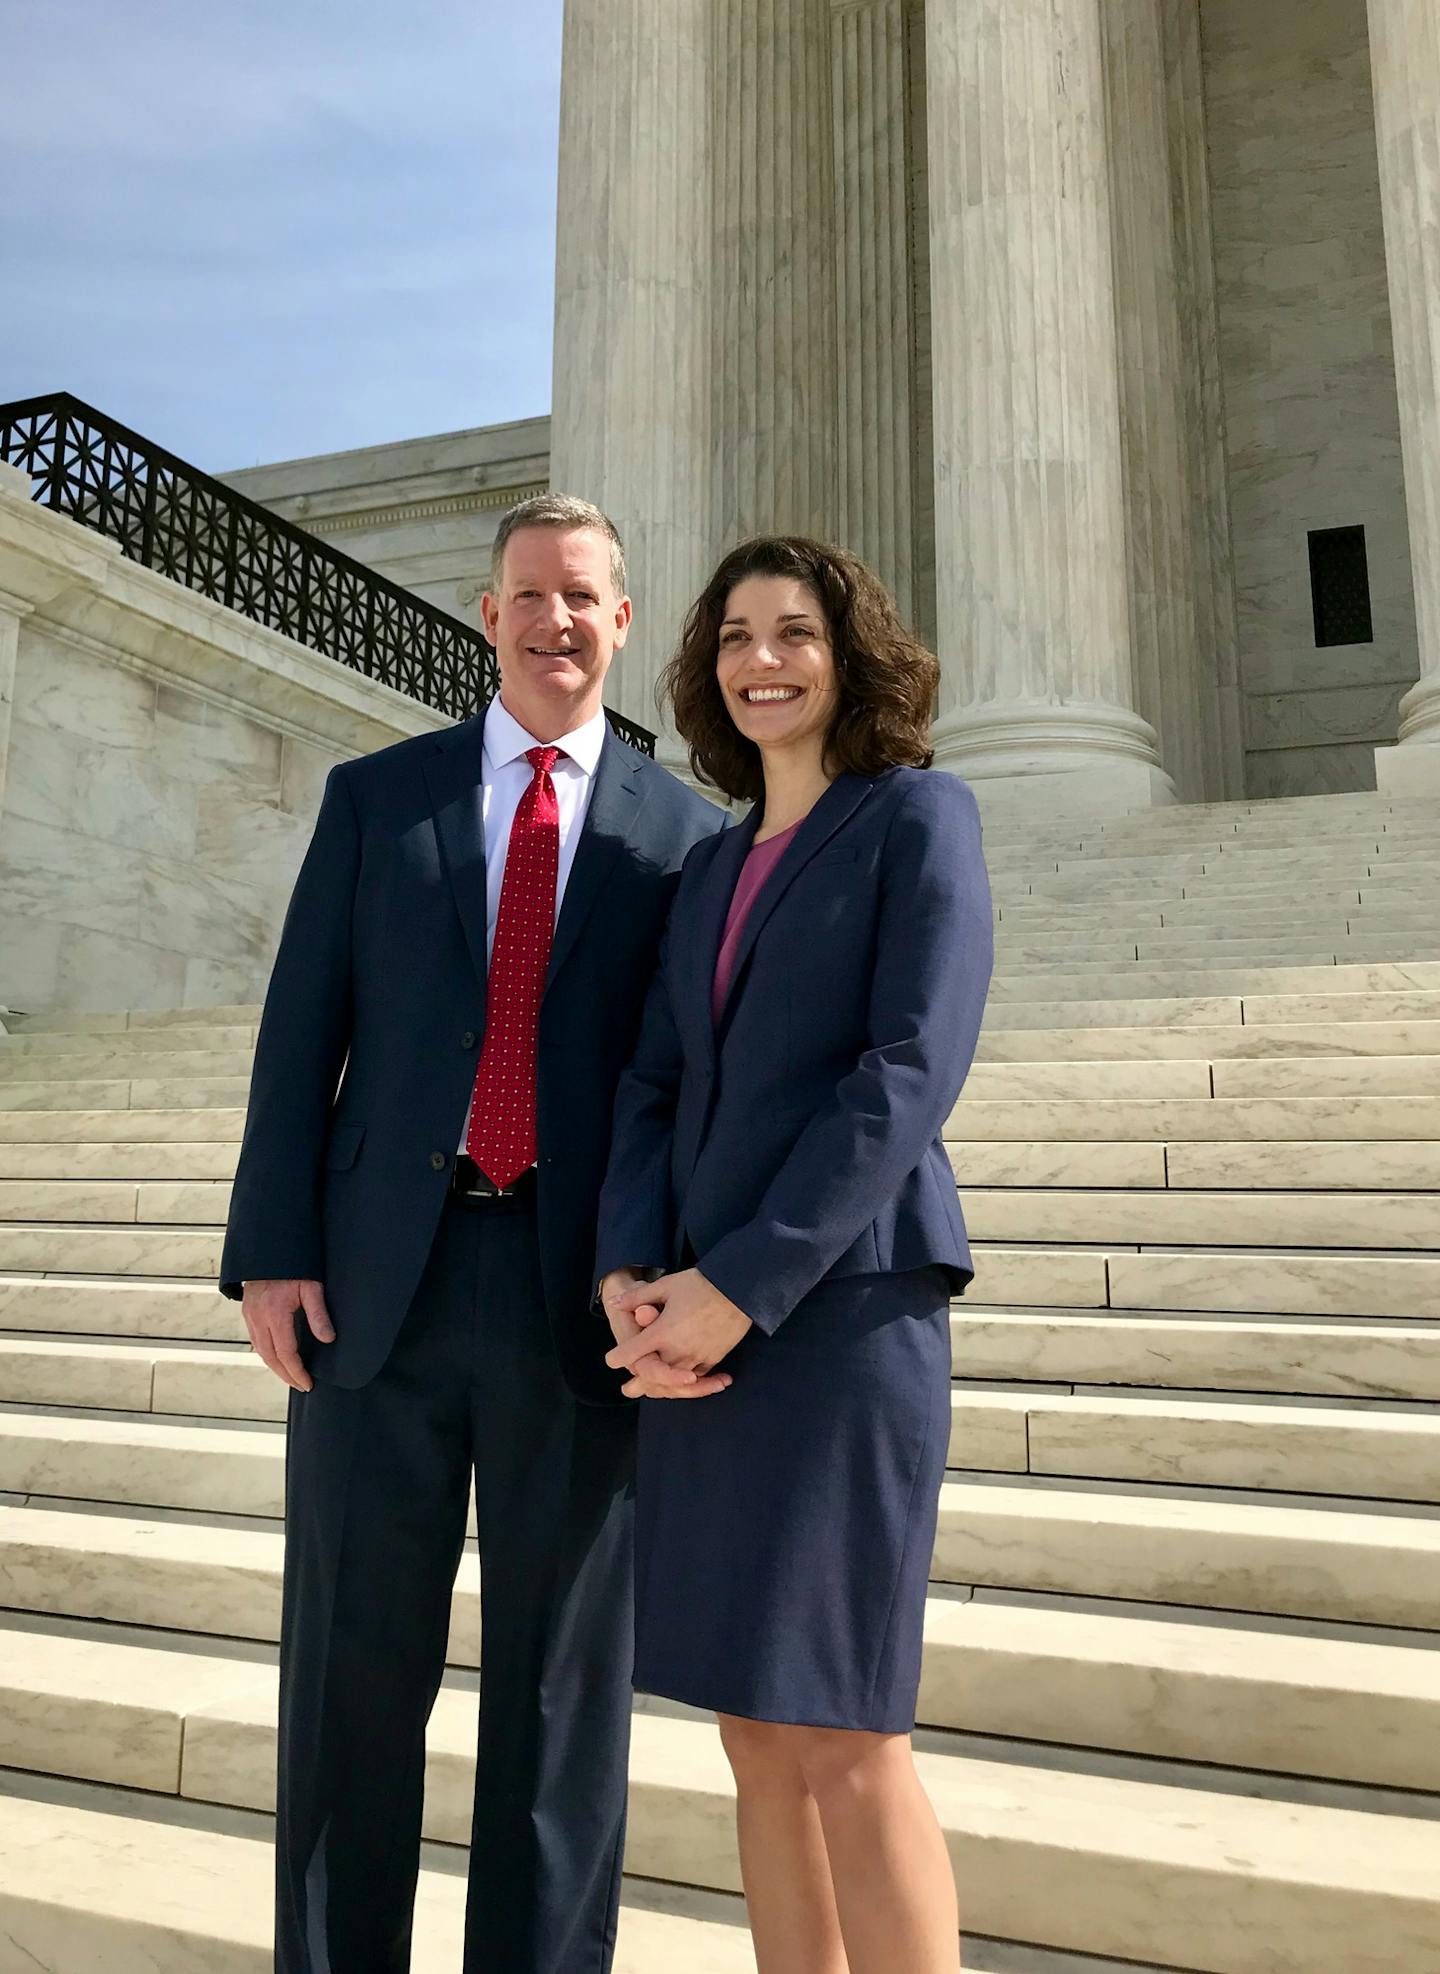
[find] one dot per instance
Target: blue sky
(255, 229)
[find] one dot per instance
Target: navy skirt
(784, 1527)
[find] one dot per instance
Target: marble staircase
(1181, 1702)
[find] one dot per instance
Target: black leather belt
(470, 1187)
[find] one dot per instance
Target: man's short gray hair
(557, 510)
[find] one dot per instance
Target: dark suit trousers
(377, 1490)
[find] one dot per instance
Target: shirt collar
(506, 740)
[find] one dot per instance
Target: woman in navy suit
(777, 1160)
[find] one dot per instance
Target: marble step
(116, 1094)
(1247, 1352)
(1214, 1011)
(1200, 910)
(131, 1376)
(1057, 1856)
(125, 1707)
(97, 1879)
(1299, 1446)
(1264, 1039)
(1329, 1076)
(1197, 1119)
(1178, 1010)
(1208, 931)
(37, 1247)
(1137, 959)
(1199, 1549)
(1194, 934)
(1205, 1219)
(1094, 1540)
(187, 1183)
(1202, 872)
(72, 1162)
(140, 1045)
(1072, 1082)
(1394, 1004)
(172, 1573)
(80, 1305)
(1053, 1347)
(113, 1202)
(1035, 983)
(141, 1463)
(126, 1100)
(1079, 1042)
(1404, 1287)
(233, 1015)
(1399, 1166)
(198, 1065)
(110, 1126)
(1302, 1446)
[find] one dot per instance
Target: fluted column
(772, 243)
(1405, 68)
(631, 426)
(1029, 507)
(875, 513)
(1217, 623)
(1162, 270)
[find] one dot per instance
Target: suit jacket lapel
(615, 804)
(835, 807)
(454, 777)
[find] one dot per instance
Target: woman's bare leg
(788, 1891)
(895, 1892)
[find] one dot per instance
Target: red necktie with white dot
(502, 1134)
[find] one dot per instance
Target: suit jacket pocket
(344, 1146)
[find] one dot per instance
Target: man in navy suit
(458, 987)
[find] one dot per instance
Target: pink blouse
(748, 886)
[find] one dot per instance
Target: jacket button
(438, 1161)
(467, 1040)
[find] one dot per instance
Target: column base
(1410, 769)
(1413, 767)
(1054, 759)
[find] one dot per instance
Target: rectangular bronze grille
(1340, 586)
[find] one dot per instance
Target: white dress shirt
(505, 776)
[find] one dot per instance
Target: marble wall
(421, 511)
(1309, 381)
(159, 777)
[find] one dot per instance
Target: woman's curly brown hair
(885, 678)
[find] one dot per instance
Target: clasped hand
(670, 1334)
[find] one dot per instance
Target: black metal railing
(174, 519)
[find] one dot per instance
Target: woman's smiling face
(775, 666)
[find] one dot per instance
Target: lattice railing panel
(174, 519)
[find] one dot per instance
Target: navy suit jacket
(372, 1026)
(802, 1137)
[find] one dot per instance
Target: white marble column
(1217, 623)
(1161, 271)
(772, 343)
(631, 421)
(875, 516)
(1031, 579)
(1405, 68)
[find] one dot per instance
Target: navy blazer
(372, 1027)
(801, 1138)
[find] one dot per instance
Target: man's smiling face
(555, 625)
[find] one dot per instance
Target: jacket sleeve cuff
(758, 1283)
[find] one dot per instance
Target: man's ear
(624, 611)
(489, 614)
